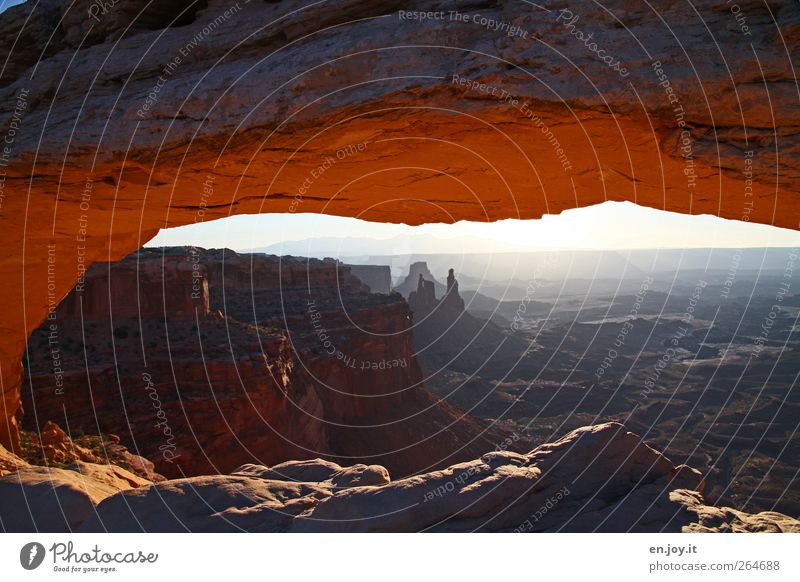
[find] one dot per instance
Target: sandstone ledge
(597, 478)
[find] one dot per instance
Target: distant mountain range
(403, 244)
(507, 274)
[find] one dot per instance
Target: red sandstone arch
(271, 90)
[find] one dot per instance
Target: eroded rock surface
(46, 499)
(170, 118)
(218, 359)
(598, 478)
(9, 462)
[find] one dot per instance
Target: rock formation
(9, 462)
(452, 300)
(377, 277)
(599, 478)
(448, 336)
(417, 272)
(423, 300)
(47, 499)
(202, 361)
(115, 131)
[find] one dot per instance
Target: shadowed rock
(597, 478)
(47, 499)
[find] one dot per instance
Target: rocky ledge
(596, 478)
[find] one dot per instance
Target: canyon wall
(204, 360)
(120, 122)
(377, 277)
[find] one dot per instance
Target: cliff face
(449, 337)
(416, 271)
(204, 360)
(377, 277)
(176, 116)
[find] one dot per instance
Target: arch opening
(416, 347)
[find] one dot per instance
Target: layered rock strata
(202, 361)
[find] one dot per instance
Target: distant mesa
(423, 300)
(411, 282)
(377, 277)
(446, 335)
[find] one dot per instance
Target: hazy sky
(612, 225)
(5, 4)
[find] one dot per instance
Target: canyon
(163, 115)
(257, 97)
(203, 360)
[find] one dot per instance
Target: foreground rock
(598, 478)
(46, 499)
(9, 462)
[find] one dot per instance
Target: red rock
(550, 489)
(90, 178)
(303, 362)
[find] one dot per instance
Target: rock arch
(390, 111)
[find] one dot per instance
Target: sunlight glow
(611, 225)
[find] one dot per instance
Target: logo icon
(31, 555)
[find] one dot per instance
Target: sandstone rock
(9, 462)
(725, 519)
(111, 475)
(210, 504)
(116, 164)
(55, 446)
(360, 476)
(311, 471)
(416, 271)
(47, 499)
(599, 478)
(141, 466)
(319, 471)
(216, 359)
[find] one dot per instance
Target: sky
(6, 4)
(611, 225)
